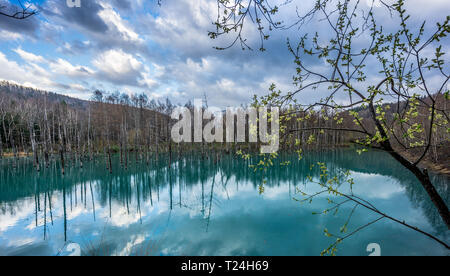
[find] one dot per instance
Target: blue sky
(136, 46)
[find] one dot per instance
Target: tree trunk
(1, 147)
(422, 176)
(424, 179)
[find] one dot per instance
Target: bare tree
(18, 12)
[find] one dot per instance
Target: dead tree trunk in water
(109, 160)
(157, 136)
(89, 134)
(34, 146)
(125, 138)
(169, 141)
(61, 149)
(47, 134)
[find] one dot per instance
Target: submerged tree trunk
(34, 147)
(109, 160)
(1, 147)
(61, 152)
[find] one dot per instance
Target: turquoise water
(210, 207)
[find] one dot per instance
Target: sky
(137, 46)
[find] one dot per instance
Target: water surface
(210, 207)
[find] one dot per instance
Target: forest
(48, 126)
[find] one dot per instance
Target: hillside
(43, 123)
(19, 92)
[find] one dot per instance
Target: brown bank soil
(21, 154)
(441, 168)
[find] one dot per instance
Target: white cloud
(204, 66)
(63, 67)
(78, 87)
(28, 75)
(30, 57)
(375, 186)
(10, 36)
(122, 218)
(147, 80)
(115, 22)
(126, 41)
(9, 220)
(123, 68)
(183, 25)
(418, 8)
(136, 240)
(116, 63)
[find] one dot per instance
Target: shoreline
(440, 169)
(431, 166)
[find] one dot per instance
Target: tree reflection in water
(93, 188)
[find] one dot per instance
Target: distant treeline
(42, 123)
(51, 126)
(46, 125)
